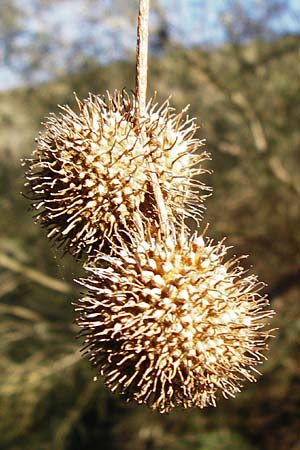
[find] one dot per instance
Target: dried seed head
(169, 323)
(91, 171)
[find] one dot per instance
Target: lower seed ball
(170, 323)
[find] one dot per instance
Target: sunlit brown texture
(170, 323)
(91, 171)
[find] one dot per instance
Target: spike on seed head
(90, 171)
(169, 322)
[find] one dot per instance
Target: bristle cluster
(170, 323)
(91, 171)
(168, 319)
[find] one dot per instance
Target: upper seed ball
(91, 171)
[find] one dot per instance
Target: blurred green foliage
(247, 99)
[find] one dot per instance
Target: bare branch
(34, 275)
(279, 171)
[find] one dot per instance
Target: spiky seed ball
(90, 171)
(170, 323)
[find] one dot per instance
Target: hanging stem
(141, 92)
(142, 56)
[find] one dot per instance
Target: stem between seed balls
(141, 92)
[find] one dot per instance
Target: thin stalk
(141, 94)
(142, 56)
